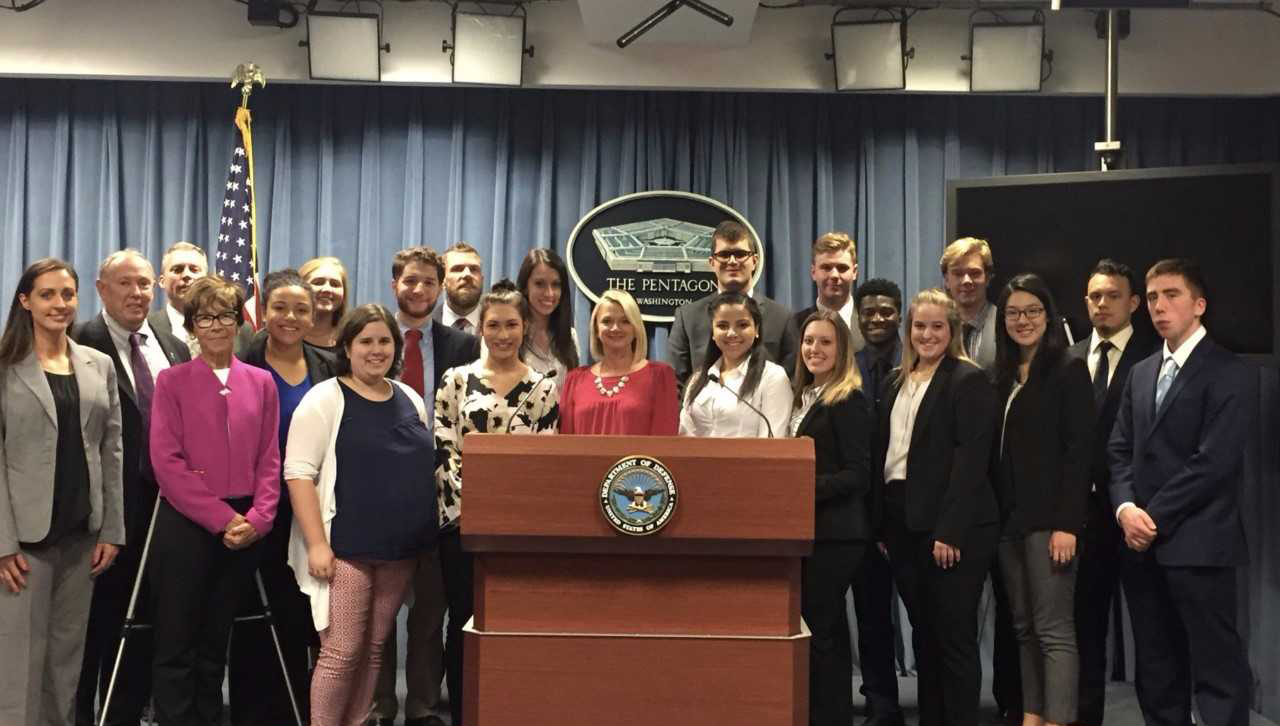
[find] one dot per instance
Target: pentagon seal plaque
(638, 496)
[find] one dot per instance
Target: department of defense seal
(638, 495)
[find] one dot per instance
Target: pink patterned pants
(363, 599)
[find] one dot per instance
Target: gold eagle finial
(247, 74)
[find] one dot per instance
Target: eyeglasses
(735, 255)
(227, 318)
(1031, 314)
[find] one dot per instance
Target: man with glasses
(735, 252)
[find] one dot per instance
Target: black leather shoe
(894, 719)
(432, 720)
(380, 722)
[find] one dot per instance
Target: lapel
(97, 335)
(438, 349)
(88, 380)
(30, 373)
(165, 341)
(808, 420)
(941, 379)
(1193, 368)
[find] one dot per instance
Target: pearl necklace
(613, 390)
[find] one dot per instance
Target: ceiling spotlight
(1007, 56)
(488, 49)
(870, 55)
(345, 46)
(665, 11)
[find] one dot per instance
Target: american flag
(235, 257)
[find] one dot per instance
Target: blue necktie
(1167, 373)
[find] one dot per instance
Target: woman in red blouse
(622, 393)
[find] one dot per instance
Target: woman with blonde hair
(328, 279)
(933, 489)
(829, 408)
(622, 393)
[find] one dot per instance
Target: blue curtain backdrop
(88, 167)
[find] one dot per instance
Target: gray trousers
(424, 663)
(42, 633)
(1042, 601)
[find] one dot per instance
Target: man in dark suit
(878, 304)
(126, 285)
(184, 263)
(735, 252)
(834, 270)
(441, 578)
(1112, 296)
(463, 283)
(1176, 465)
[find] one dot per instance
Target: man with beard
(834, 271)
(735, 252)
(429, 350)
(463, 282)
(184, 263)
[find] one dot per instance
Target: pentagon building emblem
(638, 496)
(654, 245)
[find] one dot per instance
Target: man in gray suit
(735, 252)
(184, 263)
(966, 272)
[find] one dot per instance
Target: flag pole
(245, 75)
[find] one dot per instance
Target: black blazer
(320, 365)
(691, 332)
(841, 436)
(1043, 473)
(1184, 463)
(1139, 347)
(949, 490)
(138, 480)
(450, 348)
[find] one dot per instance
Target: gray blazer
(28, 430)
(691, 332)
(985, 356)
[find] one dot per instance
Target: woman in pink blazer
(214, 429)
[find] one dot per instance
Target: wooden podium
(577, 623)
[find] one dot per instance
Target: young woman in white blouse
(738, 392)
(550, 342)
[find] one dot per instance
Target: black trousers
(458, 568)
(943, 608)
(873, 601)
(1099, 570)
(107, 609)
(1006, 668)
(1185, 637)
(255, 683)
(197, 585)
(825, 576)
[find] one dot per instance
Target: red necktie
(411, 373)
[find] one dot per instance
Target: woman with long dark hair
(831, 409)
(550, 343)
(61, 502)
(1043, 483)
(931, 463)
(738, 391)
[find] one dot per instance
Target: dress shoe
(893, 719)
(380, 722)
(432, 720)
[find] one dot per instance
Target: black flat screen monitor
(1060, 225)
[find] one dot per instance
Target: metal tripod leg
(129, 624)
(275, 638)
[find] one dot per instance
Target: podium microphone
(712, 375)
(519, 404)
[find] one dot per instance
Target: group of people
(324, 454)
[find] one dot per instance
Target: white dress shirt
(902, 421)
(449, 317)
(1179, 357)
(846, 312)
(155, 356)
(177, 322)
(1119, 342)
(717, 411)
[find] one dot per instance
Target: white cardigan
(311, 454)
